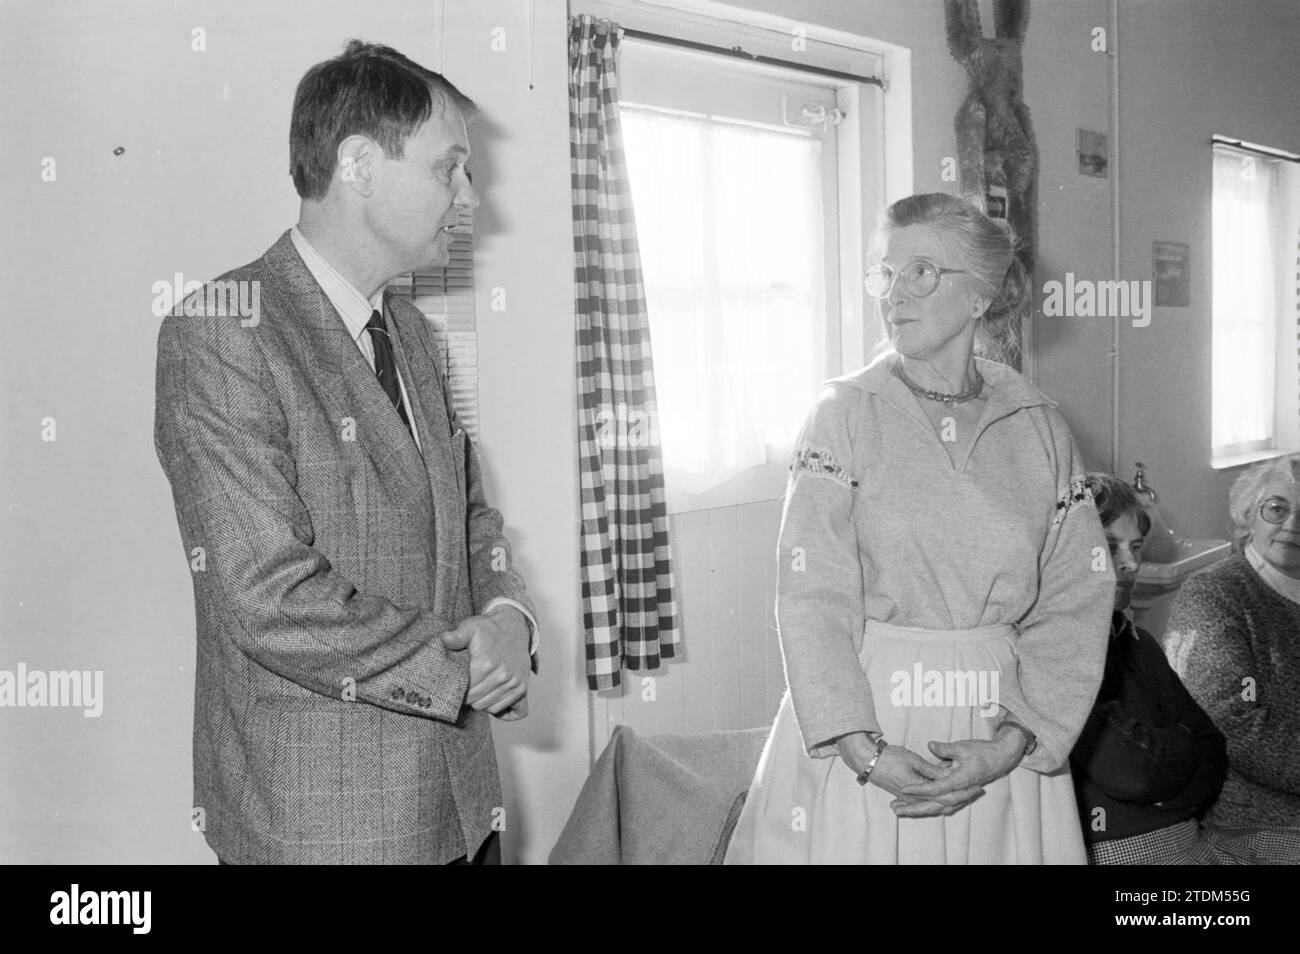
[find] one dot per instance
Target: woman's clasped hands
(922, 788)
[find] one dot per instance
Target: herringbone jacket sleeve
(222, 437)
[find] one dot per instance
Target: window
(735, 173)
(729, 220)
(1255, 406)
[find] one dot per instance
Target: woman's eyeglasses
(920, 278)
(1274, 510)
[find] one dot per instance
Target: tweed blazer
(328, 554)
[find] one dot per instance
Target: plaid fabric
(628, 607)
(1179, 844)
(1254, 846)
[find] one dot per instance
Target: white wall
(92, 575)
(527, 383)
(1232, 68)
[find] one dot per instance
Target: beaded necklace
(939, 396)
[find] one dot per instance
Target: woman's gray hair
(1244, 496)
(986, 246)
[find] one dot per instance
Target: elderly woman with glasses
(1234, 639)
(943, 586)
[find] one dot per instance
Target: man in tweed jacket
(357, 612)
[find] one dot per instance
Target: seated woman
(1149, 760)
(1234, 638)
(942, 593)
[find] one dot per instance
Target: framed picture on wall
(1171, 275)
(1093, 154)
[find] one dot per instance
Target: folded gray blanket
(666, 799)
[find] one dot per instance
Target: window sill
(1241, 460)
(756, 485)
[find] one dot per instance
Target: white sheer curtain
(1245, 312)
(729, 221)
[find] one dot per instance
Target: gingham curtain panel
(628, 608)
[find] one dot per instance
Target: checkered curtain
(628, 607)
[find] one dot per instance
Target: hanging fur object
(996, 157)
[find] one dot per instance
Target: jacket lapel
(439, 450)
(423, 387)
(347, 383)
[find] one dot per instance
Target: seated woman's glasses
(1274, 510)
(920, 278)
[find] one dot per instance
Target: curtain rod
(737, 53)
(1259, 150)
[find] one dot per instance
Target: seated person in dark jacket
(1149, 760)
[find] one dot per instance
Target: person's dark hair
(1115, 498)
(367, 90)
(987, 247)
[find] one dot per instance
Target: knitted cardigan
(1235, 642)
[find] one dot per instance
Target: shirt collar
(1279, 583)
(1009, 389)
(353, 307)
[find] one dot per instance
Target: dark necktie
(385, 364)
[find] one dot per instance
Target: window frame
(1286, 320)
(873, 165)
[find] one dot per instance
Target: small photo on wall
(1093, 154)
(1171, 274)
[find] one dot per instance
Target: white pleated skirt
(805, 810)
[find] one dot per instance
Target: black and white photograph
(1093, 153)
(652, 432)
(1172, 273)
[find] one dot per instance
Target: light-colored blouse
(880, 524)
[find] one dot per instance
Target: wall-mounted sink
(1193, 555)
(1158, 582)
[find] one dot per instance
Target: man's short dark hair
(1115, 498)
(367, 90)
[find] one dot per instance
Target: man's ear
(356, 156)
(979, 304)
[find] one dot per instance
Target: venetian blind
(445, 296)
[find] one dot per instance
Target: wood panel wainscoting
(730, 674)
